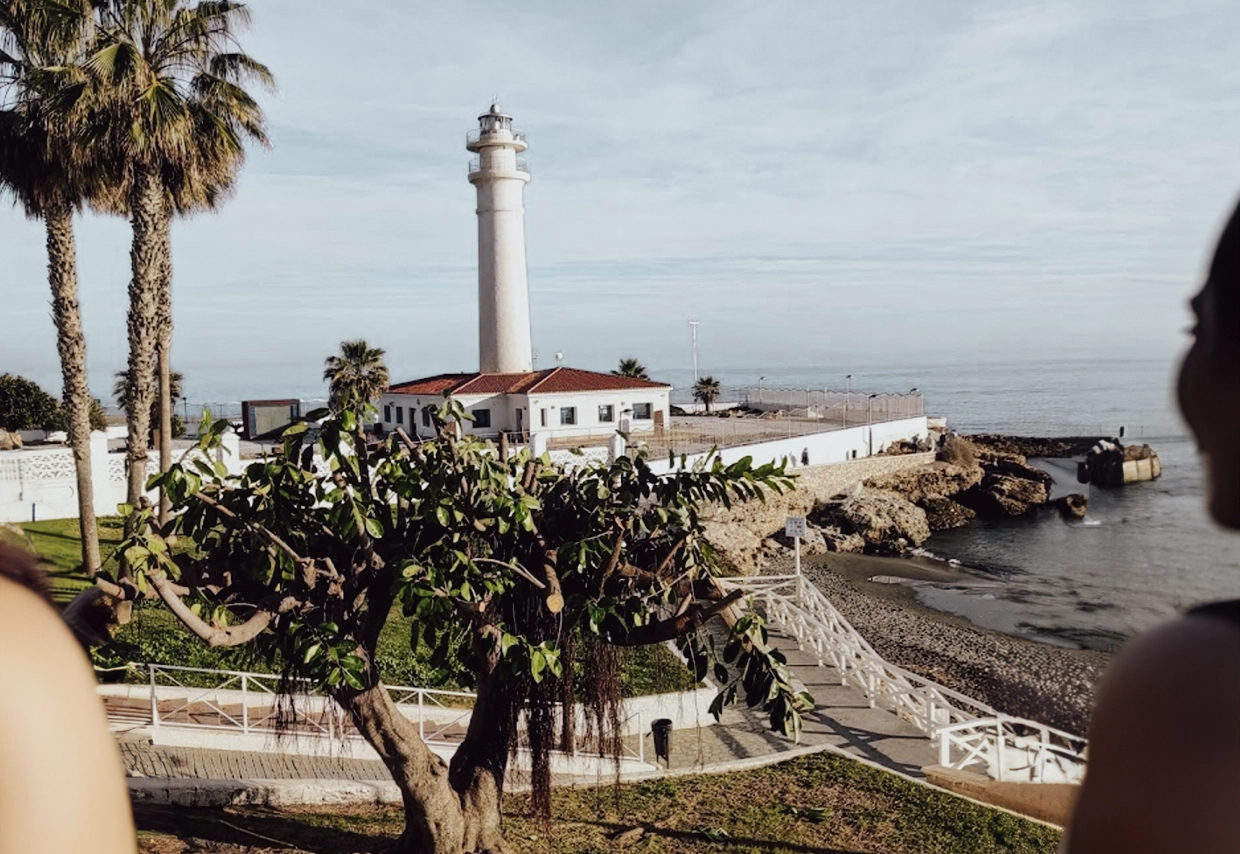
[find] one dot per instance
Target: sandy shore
(1020, 677)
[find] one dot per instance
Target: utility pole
(693, 324)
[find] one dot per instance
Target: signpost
(795, 527)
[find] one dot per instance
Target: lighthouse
(503, 294)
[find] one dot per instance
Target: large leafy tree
(706, 391)
(355, 377)
(631, 368)
(24, 405)
(170, 108)
(516, 567)
(47, 168)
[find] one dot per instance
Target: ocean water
(1148, 551)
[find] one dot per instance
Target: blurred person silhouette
(62, 785)
(1164, 742)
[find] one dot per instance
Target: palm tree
(176, 382)
(355, 378)
(170, 105)
(631, 368)
(706, 391)
(50, 174)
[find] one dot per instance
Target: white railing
(244, 702)
(967, 731)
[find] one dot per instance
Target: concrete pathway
(843, 719)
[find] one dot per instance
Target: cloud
(796, 175)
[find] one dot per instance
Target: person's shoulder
(1164, 744)
(1191, 659)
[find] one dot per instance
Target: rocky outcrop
(1003, 495)
(1035, 446)
(886, 521)
(943, 514)
(935, 479)
(744, 535)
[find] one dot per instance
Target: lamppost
(693, 324)
(870, 419)
(844, 417)
(760, 379)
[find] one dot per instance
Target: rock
(932, 479)
(838, 541)
(879, 517)
(1073, 506)
(943, 514)
(1018, 468)
(9, 441)
(1003, 495)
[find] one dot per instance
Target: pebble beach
(1050, 684)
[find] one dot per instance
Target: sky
(824, 186)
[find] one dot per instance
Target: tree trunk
(480, 763)
(71, 343)
(434, 819)
(148, 257)
(165, 382)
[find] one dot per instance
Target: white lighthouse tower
(503, 295)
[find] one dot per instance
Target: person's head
(1209, 388)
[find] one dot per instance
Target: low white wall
(41, 483)
(834, 446)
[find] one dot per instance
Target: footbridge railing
(967, 732)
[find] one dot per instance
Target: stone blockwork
(738, 533)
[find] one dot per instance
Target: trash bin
(662, 730)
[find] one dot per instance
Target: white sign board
(794, 526)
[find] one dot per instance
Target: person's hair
(19, 565)
(1225, 278)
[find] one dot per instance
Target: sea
(1146, 551)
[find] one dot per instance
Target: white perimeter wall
(41, 483)
(835, 446)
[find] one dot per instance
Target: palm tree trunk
(71, 343)
(165, 379)
(148, 257)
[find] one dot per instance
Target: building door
(658, 422)
(520, 420)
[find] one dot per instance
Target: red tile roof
(551, 381)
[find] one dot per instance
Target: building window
(400, 415)
(387, 413)
(641, 411)
(606, 413)
(544, 417)
(426, 416)
(568, 415)
(482, 418)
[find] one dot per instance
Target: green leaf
(538, 663)
(311, 652)
(374, 527)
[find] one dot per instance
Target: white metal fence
(967, 731)
(245, 703)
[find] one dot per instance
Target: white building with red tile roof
(506, 395)
(550, 404)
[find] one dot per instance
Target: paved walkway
(843, 718)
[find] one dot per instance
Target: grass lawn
(155, 636)
(58, 543)
(820, 804)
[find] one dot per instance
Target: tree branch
(666, 630)
(213, 635)
(616, 548)
(555, 598)
(253, 527)
(515, 567)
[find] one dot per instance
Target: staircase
(966, 732)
